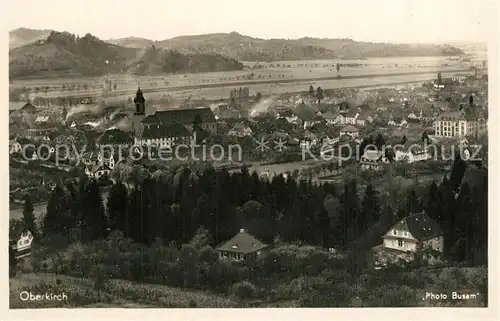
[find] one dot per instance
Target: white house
(374, 160)
(414, 154)
(14, 147)
(156, 134)
(339, 120)
(414, 232)
(97, 171)
(240, 130)
(23, 244)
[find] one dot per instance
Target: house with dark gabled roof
(412, 233)
(350, 130)
(243, 246)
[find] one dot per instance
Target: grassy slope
(118, 294)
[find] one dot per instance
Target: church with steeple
(168, 127)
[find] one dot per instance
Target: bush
(243, 290)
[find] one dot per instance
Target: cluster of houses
(414, 233)
(346, 116)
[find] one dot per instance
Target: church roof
(184, 116)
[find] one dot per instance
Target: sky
(424, 21)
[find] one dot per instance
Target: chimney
(242, 230)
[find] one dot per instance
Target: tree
(58, 217)
(311, 90)
(338, 67)
(201, 238)
(197, 123)
(439, 79)
(379, 141)
(425, 138)
(258, 97)
(370, 207)
(117, 206)
(319, 94)
(432, 205)
(457, 172)
(12, 258)
(114, 86)
(389, 154)
(28, 216)
(94, 217)
(412, 203)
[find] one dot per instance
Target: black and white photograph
(249, 154)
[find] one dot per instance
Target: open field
(305, 71)
(217, 90)
(265, 77)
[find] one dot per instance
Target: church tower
(140, 103)
(140, 112)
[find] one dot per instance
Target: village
(328, 139)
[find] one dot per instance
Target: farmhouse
(242, 246)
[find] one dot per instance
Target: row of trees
(151, 208)
(172, 205)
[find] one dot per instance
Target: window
(394, 232)
(401, 243)
(405, 234)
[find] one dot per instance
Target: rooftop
(420, 225)
(242, 242)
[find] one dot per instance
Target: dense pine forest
(161, 226)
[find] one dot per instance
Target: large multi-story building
(460, 123)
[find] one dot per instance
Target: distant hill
(62, 53)
(23, 36)
(51, 53)
(348, 48)
(156, 60)
(132, 42)
(253, 49)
